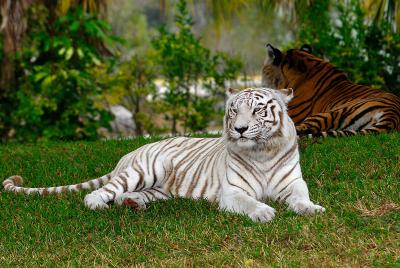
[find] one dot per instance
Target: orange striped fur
(325, 102)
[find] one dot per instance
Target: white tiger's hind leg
(137, 200)
(299, 200)
(127, 181)
(95, 201)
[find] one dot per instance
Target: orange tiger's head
(291, 68)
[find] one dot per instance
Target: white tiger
(257, 157)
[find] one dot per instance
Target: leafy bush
(369, 52)
(132, 85)
(194, 77)
(57, 89)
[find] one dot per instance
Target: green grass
(357, 179)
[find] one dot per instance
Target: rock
(123, 123)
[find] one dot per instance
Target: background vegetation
(65, 63)
(369, 53)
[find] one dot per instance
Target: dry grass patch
(385, 208)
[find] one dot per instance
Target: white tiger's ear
(230, 91)
(287, 94)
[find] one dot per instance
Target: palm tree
(13, 27)
(223, 10)
(384, 10)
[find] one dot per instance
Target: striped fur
(13, 184)
(325, 102)
(256, 158)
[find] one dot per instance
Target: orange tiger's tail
(13, 184)
(342, 133)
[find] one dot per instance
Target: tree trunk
(139, 127)
(173, 130)
(13, 27)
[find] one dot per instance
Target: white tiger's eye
(256, 110)
(234, 110)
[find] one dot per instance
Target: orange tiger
(325, 101)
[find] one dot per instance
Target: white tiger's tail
(13, 184)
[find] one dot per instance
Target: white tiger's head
(255, 116)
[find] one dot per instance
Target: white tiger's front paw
(306, 208)
(94, 201)
(262, 213)
(133, 200)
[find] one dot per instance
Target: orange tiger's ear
(274, 54)
(307, 48)
(287, 94)
(230, 91)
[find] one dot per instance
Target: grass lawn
(357, 179)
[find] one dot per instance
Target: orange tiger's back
(324, 99)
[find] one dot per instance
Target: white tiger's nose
(241, 130)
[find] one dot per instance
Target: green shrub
(187, 66)
(369, 52)
(57, 88)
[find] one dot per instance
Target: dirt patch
(383, 209)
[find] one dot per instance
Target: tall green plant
(192, 74)
(367, 51)
(132, 84)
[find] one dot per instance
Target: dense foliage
(132, 84)
(368, 51)
(191, 79)
(194, 77)
(64, 80)
(57, 88)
